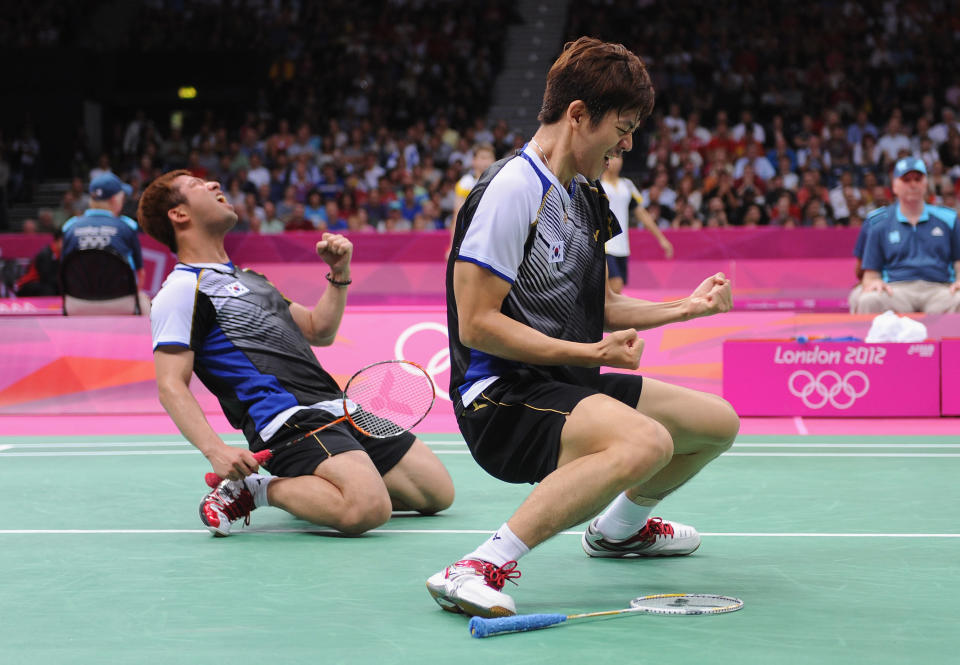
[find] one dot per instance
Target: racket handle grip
(212, 479)
(480, 627)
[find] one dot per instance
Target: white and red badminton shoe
(228, 502)
(474, 587)
(658, 537)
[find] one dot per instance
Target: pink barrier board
(853, 379)
(763, 242)
(950, 376)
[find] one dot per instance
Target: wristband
(336, 283)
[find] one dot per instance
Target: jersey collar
(924, 216)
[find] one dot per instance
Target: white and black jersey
(547, 241)
(248, 350)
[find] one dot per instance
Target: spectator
(43, 276)
(271, 223)
(940, 132)
(860, 128)
(314, 210)
(258, 174)
(785, 213)
(394, 221)
(747, 130)
(911, 256)
(68, 208)
(483, 157)
(298, 222)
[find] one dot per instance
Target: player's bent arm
(622, 311)
(712, 296)
(482, 326)
(174, 367)
(320, 324)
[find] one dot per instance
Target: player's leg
(605, 448)
(702, 426)
(616, 272)
(327, 479)
(583, 457)
(345, 492)
(419, 481)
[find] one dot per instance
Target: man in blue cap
(910, 252)
(102, 226)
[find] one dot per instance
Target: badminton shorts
(303, 458)
(617, 267)
(513, 428)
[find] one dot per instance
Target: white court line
(799, 424)
(71, 532)
(5, 447)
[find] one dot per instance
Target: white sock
(623, 518)
(499, 548)
(257, 484)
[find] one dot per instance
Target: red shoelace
(494, 576)
(654, 527)
(238, 507)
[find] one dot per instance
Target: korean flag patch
(236, 289)
(556, 252)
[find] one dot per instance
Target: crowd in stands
(767, 113)
(785, 113)
(350, 93)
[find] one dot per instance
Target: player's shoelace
(234, 507)
(496, 576)
(654, 527)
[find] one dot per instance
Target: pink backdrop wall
(103, 365)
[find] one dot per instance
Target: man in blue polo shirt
(911, 256)
(103, 226)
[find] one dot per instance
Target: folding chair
(98, 282)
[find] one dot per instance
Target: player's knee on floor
(359, 517)
(436, 499)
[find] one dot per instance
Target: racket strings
(391, 398)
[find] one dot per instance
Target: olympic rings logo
(438, 363)
(828, 387)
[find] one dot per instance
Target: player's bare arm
(484, 327)
(174, 367)
(712, 296)
(320, 324)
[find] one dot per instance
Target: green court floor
(843, 549)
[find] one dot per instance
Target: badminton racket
(381, 400)
(663, 603)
